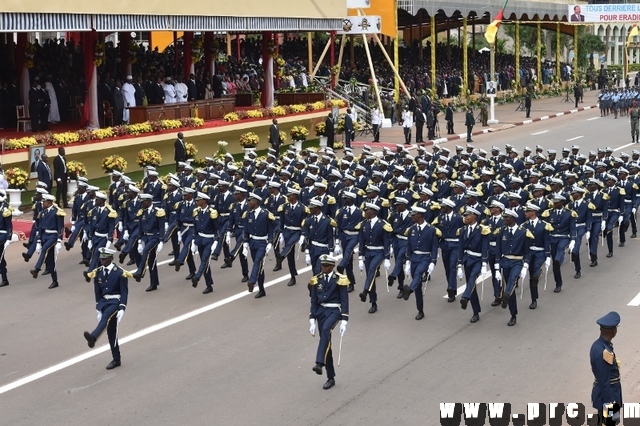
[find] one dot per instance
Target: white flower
(222, 143)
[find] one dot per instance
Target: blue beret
(611, 320)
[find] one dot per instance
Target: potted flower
(298, 135)
(222, 148)
(149, 157)
(75, 169)
(283, 136)
(191, 150)
(249, 140)
(114, 163)
(17, 179)
(321, 132)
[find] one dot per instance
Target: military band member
(152, 230)
(512, 251)
(236, 229)
(205, 239)
(605, 366)
(6, 233)
(111, 289)
(374, 250)
(49, 238)
(99, 229)
(420, 255)
(540, 249)
(259, 227)
(599, 214)
(185, 231)
(318, 231)
(400, 220)
(448, 222)
(473, 254)
(292, 215)
(563, 222)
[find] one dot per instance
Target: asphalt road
(229, 359)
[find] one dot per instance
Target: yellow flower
(103, 133)
(171, 124)
(114, 162)
(278, 110)
(298, 108)
(75, 169)
(318, 105)
(65, 138)
(232, 116)
(17, 178)
(149, 157)
(337, 102)
(249, 140)
(20, 143)
(139, 128)
(254, 113)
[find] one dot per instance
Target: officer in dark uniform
(273, 203)
(186, 232)
(448, 223)
(348, 220)
(110, 284)
(6, 232)
(205, 239)
(606, 368)
(33, 237)
(629, 208)
(49, 242)
(292, 215)
(599, 214)
(540, 249)
(494, 222)
(77, 215)
(152, 229)
(222, 203)
(400, 220)
(563, 221)
(259, 227)
(236, 229)
(615, 208)
(130, 221)
(329, 304)
(318, 230)
(583, 210)
(155, 188)
(101, 222)
(170, 203)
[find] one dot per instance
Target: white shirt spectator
(169, 94)
(181, 92)
(407, 119)
(376, 117)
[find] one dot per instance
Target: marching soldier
(400, 221)
(152, 230)
(599, 214)
(605, 366)
(317, 230)
(273, 203)
(170, 203)
(101, 222)
(615, 207)
(222, 203)
(236, 229)
(186, 233)
(563, 222)
(257, 237)
(374, 249)
(130, 227)
(329, 304)
(348, 220)
(30, 245)
(86, 206)
(472, 258)
(6, 232)
(495, 222)
(448, 223)
(420, 256)
(49, 238)
(583, 210)
(205, 239)
(540, 249)
(629, 209)
(77, 216)
(155, 188)
(110, 284)
(292, 215)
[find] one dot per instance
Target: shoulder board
(139, 212)
(485, 230)
(213, 214)
(281, 208)
(392, 195)
(244, 215)
(306, 210)
(548, 226)
(121, 197)
(530, 235)
(160, 213)
(313, 281)
(176, 206)
(591, 206)
(195, 211)
(271, 216)
(415, 196)
(93, 273)
(545, 213)
(607, 356)
(406, 232)
(458, 232)
(605, 196)
(166, 196)
(435, 221)
(574, 213)
(343, 280)
(362, 192)
(358, 226)
(250, 184)
(60, 212)
(434, 186)
(164, 187)
(497, 231)
(6, 212)
(385, 203)
(333, 223)
(461, 210)
(623, 192)
(635, 186)
(331, 200)
(438, 233)
(387, 227)
(435, 206)
(113, 214)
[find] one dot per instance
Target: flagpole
(492, 59)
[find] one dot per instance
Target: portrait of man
(577, 14)
(491, 88)
(35, 157)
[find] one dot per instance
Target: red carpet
(22, 227)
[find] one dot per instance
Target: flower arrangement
(98, 55)
(335, 70)
(65, 138)
(298, 108)
(170, 124)
(191, 150)
(231, 116)
(321, 129)
(318, 105)
(114, 163)
(278, 110)
(338, 145)
(280, 62)
(149, 157)
(192, 122)
(255, 113)
(197, 52)
(103, 133)
(283, 135)
(19, 143)
(17, 178)
(249, 140)
(337, 103)
(222, 148)
(132, 50)
(299, 133)
(76, 169)
(29, 54)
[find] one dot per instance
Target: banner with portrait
(612, 13)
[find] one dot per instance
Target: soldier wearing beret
(605, 366)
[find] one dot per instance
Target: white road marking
(635, 301)
(560, 114)
(544, 117)
(539, 133)
(592, 118)
(573, 139)
(527, 122)
(624, 146)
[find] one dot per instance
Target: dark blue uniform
(599, 213)
(205, 236)
(421, 251)
(236, 227)
(50, 226)
(473, 252)
(374, 244)
(223, 203)
(513, 247)
(6, 232)
(628, 191)
(540, 250)
(101, 223)
(259, 228)
(156, 189)
(170, 204)
(583, 210)
(152, 231)
(606, 370)
(494, 223)
(448, 226)
(318, 231)
(564, 230)
(348, 220)
(130, 225)
(400, 223)
(185, 224)
(291, 220)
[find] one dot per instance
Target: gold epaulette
(485, 230)
(547, 226)
(343, 280)
(160, 213)
(213, 214)
(387, 226)
(314, 280)
(271, 216)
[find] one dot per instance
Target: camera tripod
(567, 98)
(521, 106)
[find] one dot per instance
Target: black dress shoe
(34, 273)
(194, 282)
(86, 276)
(621, 245)
(177, 266)
(4, 283)
(53, 285)
(67, 246)
(260, 294)
(113, 364)
(512, 322)
(207, 290)
(593, 263)
(26, 257)
(391, 280)
(244, 279)
(137, 277)
(121, 257)
(419, 316)
(406, 292)
(533, 304)
(46, 272)
(91, 341)
(400, 294)
(25, 245)
(577, 275)
(215, 257)
(350, 288)
(291, 282)
(170, 254)
(373, 309)
(557, 289)
(496, 302)
(318, 369)
(451, 299)
(129, 263)
(278, 267)
(610, 254)
(505, 301)
(474, 319)
(118, 245)
(363, 296)
(329, 384)
(173, 263)
(152, 288)
(189, 277)
(463, 302)
(250, 286)
(634, 235)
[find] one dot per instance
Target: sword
(424, 285)
(546, 275)
(521, 288)
(386, 274)
(482, 287)
(340, 350)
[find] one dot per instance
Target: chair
(107, 113)
(23, 118)
(73, 108)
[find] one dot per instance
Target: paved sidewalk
(541, 109)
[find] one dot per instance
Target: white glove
(245, 249)
(387, 264)
(73, 229)
(72, 222)
(483, 270)
(343, 327)
(228, 238)
(572, 244)
(356, 250)
(159, 248)
(140, 247)
(7, 244)
(179, 237)
(337, 251)
(307, 258)
(85, 237)
(125, 236)
(99, 315)
(58, 247)
(108, 245)
(166, 227)
(547, 262)
(620, 219)
(120, 227)
(268, 249)
(460, 272)
(119, 315)
(194, 248)
(633, 210)
(498, 275)
(523, 272)
(281, 240)
(90, 245)
(214, 246)
(301, 241)
(603, 225)
(407, 268)
(312, 327)
(391, 250)
(361, 264)
(587, 235)
(431, 267)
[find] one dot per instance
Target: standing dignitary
(329, 130)
(473, 254)
(605, 366)
(348, 129)
(49, 238)
(274, 137)
(205, 239)
(179, 150)
(110, 284)
(512, 254)
(469, 122)
(329, 304)
(6, 231)
(634, 118)
(374, 249)
(61, 177)
(292, 215)
(44, 172)
(448, 116)
(257, 236)
(152, 231)
(420, 255)
(540, 249)
(563, 222)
